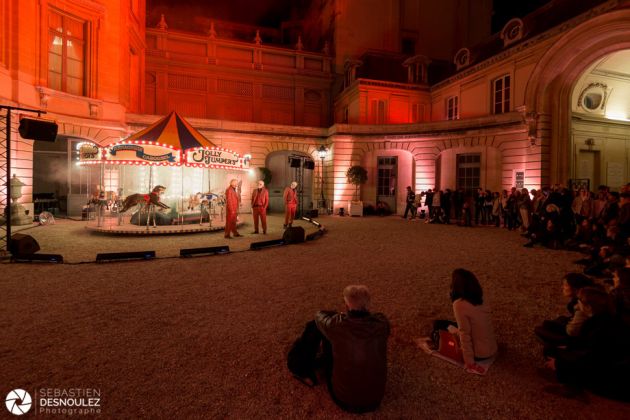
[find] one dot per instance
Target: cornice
(529, 43)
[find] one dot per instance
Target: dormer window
(417, 69)
(350, 72)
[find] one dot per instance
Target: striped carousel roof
(174, 131)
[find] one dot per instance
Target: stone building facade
(530, 106)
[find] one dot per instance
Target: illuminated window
(468, 171)
(66, 53)
(386, 180)
(501, 97)
(452, 108)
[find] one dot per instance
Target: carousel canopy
(173, 131)
(170, 141)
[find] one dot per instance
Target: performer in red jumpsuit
(231, 209)
(260, 202)
(290, 204)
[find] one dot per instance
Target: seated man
(354, 351)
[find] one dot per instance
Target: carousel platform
(111, 226)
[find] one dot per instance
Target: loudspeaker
(23, 244)
(309, 164)
(224, 249)
(312, 213)
(293, 235)
(295, 163)
(38, 129)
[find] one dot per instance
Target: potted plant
(356, 175)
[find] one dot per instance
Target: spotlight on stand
(125, 256)
(213, 250)
(36, 129)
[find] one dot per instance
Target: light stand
(322, 152)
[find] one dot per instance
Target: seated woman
(474, 327)
(556, 332)
(597, 359)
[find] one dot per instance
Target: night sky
(271, 13)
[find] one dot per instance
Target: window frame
(502, 105)
(452, 108)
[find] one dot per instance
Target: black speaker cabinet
(293, 235)
(295, 163)
(40, 130)
(23, 244)
(309, 164)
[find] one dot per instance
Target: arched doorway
(600, 123)
(549, 93)
(287, 166)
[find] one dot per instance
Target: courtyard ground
(207, 337)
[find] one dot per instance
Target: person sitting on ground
(598, 358)
(556, 332)
(472, 317)
(354, 352)
(620, 294)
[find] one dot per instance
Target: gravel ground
(207, 337)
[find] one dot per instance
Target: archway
(287, 166)
(600, 123)
(548, 95)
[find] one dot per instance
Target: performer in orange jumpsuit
(290, 204)
(260, 202)
(232, 200)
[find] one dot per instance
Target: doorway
(286, 167)
(387, 167)
(589, 167)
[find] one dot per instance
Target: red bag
(449, 346)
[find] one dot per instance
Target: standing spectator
(436, 207)
(496, 209)
(524, 208)
(479, 201)
(411, 198)
(446, 205)
(458, 203)
(428, 202)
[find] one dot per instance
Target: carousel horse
(145, 199)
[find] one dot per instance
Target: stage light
(122, 256)
(213, 250)
(49, 258)
(266, 244)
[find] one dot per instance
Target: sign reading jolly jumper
(216, 157)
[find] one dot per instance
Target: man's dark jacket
(359, 352)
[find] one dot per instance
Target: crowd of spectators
(588, 347)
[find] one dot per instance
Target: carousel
(165, 179)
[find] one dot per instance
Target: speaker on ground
(293, 235)
(22, 244)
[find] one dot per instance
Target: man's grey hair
(357, 297)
